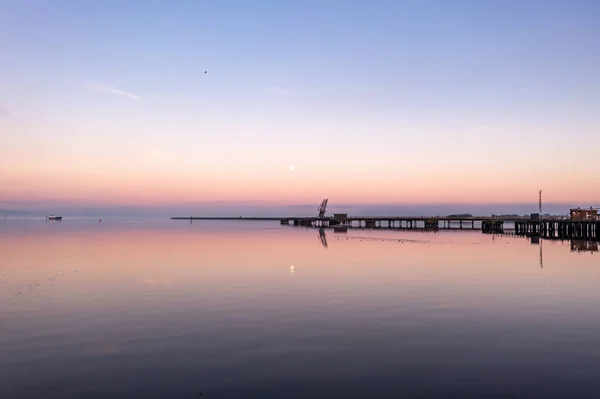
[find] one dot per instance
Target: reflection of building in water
(584, 246)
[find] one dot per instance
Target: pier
(583, 223)
(545, 228)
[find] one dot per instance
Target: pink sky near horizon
(103, 162)
(148, 184)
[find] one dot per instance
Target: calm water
(169, 309)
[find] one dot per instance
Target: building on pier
(341, 217)
(584, 214)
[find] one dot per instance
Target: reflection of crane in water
(323, 237)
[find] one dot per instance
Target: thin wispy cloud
(114, 90)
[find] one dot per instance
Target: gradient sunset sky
(107, 102)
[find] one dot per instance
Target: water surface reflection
(160, 309)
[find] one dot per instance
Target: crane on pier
(322, 208)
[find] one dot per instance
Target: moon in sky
(292, 168)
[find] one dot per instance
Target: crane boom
(322, 208)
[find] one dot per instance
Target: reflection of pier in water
(551, 229)
(535, 239)
(577, 245)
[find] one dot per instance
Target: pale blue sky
(120, 84)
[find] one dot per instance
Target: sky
(107, 103)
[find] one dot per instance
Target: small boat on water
(52, 217)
